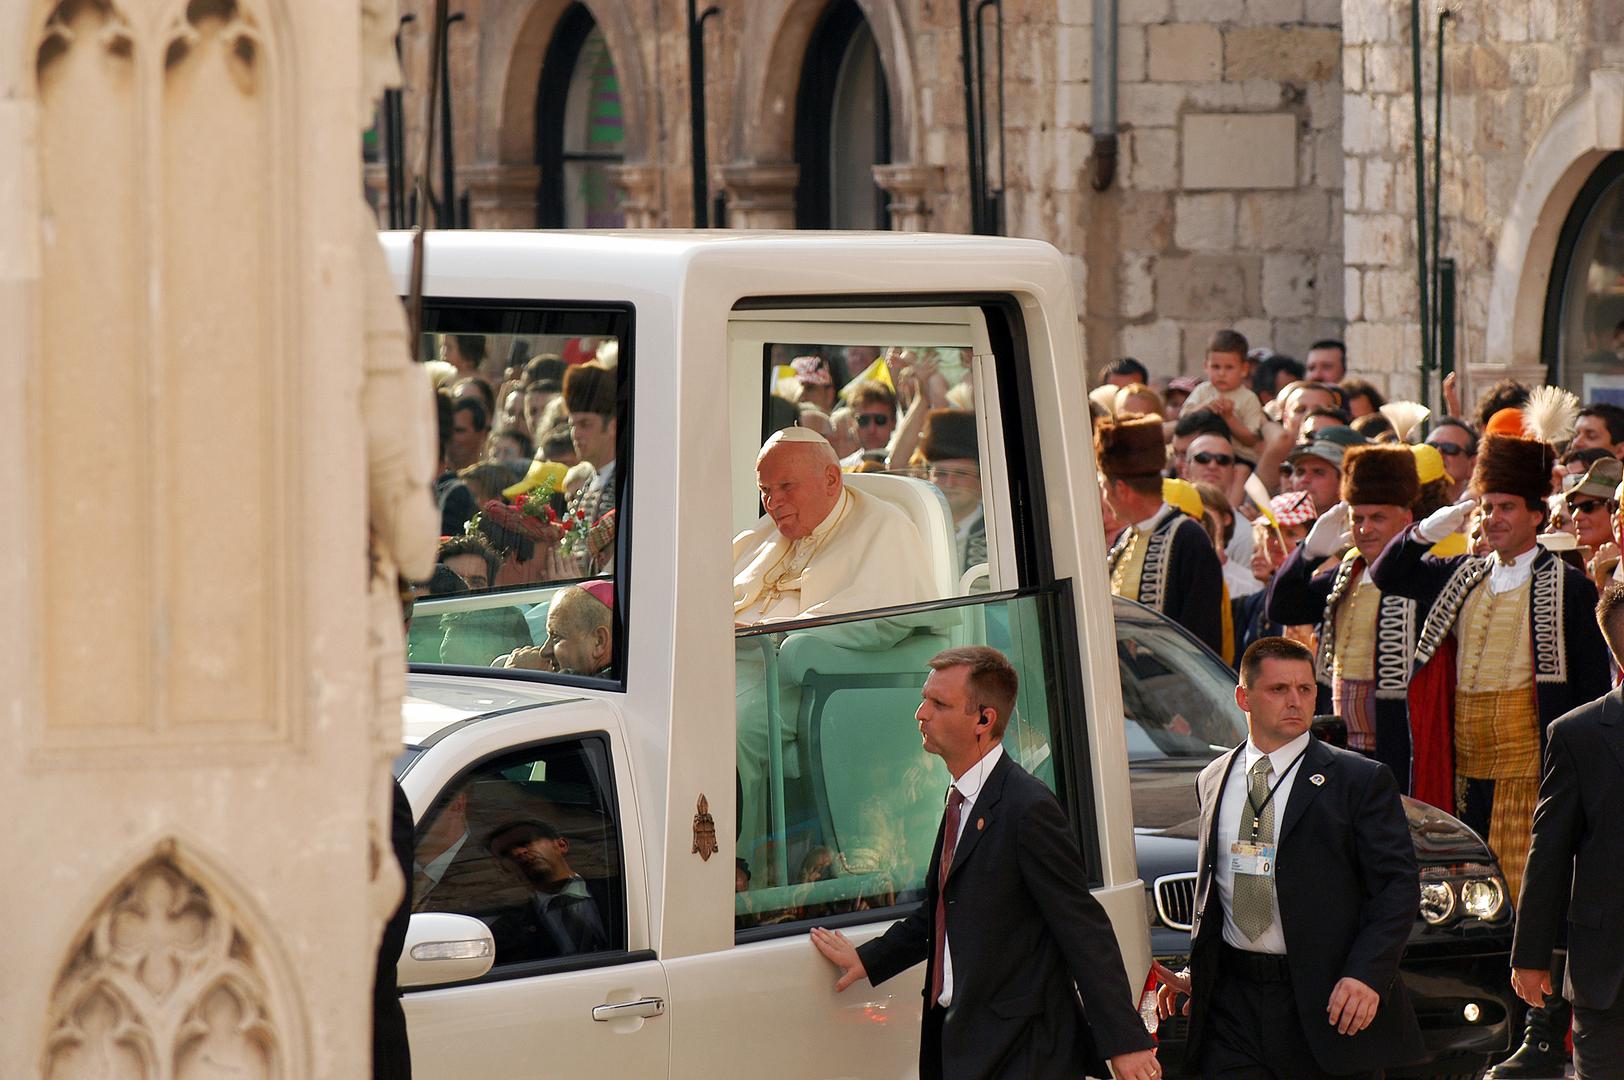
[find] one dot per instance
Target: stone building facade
(1189, 235)
(1265, 176)
(1533, 119)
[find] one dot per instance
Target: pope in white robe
(823, 549)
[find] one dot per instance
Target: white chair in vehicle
(926, 507)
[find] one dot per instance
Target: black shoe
(1543, 1054)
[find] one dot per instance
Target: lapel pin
(1317, 779)
(981, 823)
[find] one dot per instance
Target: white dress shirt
(1147, 526)
(1231, 803)
(969, 786)
(436, 867)
(1508, 575)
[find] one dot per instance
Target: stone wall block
(1205, 286)
(1208, 11)
(1152, 157)
(1136, 286)
(1282, 53)
(1138, 12)
(1387, 69)
(1184, 52)
(1323, 12)
(1353, 297)
(1145, 221)
(1210, 159)
(1150, 104)
(1155, 344)
(1489, 68)
(1353, 182)
(1364, 124)
(1353, 69)
(1290, 282)
(1364, 22)
(1204, 222)
(1130, 54)
(1266, 12)
(1294, 220)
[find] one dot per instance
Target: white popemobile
(585, 902)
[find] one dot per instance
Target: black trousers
(930, 1042)
(1598, 1041)
(391, 1054)
(1254, 1033)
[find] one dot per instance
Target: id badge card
(1253, 859)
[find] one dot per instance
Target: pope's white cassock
(864, 555)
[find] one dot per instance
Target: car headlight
(1437, 902)
(1482, 898)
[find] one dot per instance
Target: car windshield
(1178, 701)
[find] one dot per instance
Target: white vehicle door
(839, 804)
(537, 843)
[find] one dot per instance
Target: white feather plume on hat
(1406, 417)
(1550, 414)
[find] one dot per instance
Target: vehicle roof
(434, 703)
(622, 264)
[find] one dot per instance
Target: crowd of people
(1443, 569)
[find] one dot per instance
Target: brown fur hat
(590, 388)
(1130, 445)
(1382, 475)
(949, 433)
(1511, 465)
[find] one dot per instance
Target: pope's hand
(1446, 521)
(1330, 534)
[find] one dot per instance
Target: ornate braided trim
(1550, 658)
(1395, 644)
(1446, 608)
(1153, 577)
(1327, 629)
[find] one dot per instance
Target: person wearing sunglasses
(1457, 442)
(874, 407)
(1591, 505)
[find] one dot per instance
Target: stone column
(910, 188)
(502, 196)
(201, 664)
(640, 195)
(759, 196)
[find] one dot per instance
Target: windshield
(1178, 702)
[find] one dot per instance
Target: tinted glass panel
(840, 803)
(531, 490)
(530, 845)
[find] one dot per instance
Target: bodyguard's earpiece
(983, 722)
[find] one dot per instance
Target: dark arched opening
(842, 125)
(580, 128)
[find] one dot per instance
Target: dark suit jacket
(1195, 584)
(1023, 928)
(1348, 889)
(1576, 863)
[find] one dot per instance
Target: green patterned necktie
(1254, 893)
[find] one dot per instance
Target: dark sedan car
(1178, 698)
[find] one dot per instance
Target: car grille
(1175, 900)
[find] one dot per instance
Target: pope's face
(798, 487)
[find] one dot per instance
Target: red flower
(521, 500)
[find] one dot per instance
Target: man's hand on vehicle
(841, 953)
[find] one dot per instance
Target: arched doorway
(1583, 339)
(842, 125)
(580, 128)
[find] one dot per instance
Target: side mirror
(442, 948)
(1331, 729)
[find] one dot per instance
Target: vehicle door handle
(620, 1010)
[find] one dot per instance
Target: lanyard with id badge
(1249, 857)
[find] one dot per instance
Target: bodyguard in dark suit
(1010, 932)
(1576, 868)
(1306, 891)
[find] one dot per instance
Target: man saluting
(1306, 891)
(1007, 925)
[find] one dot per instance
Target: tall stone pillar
(759, 196)
(503, 196)
(200, 658)
(640, 195)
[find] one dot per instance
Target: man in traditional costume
(1164, 560)
(590, 394)
(1509, 643)
(1366, 638)
(823, 548)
